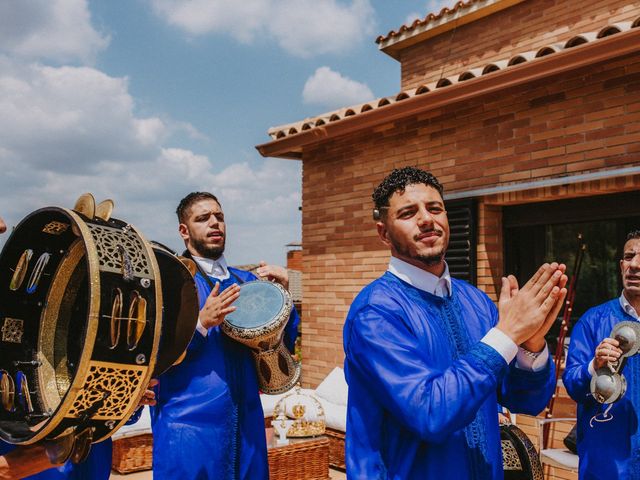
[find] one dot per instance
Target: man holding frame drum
(208, 422)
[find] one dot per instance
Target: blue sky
(143, 101)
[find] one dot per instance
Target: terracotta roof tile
(338, 115)
(441, 17)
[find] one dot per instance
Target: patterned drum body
(262, 312)
(520, 459)
(80, 316)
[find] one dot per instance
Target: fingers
(215, 290)
(536, 276)
(505, 291)
(230, 295)
(153, 382)
(513, 284)
(607, 352)
(557, 295)
(149, 398)
(552, 282)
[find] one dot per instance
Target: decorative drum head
(260, 305)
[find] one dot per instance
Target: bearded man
(208, 422)
(428, 357)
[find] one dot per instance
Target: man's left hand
(149, 397)
(273, 273)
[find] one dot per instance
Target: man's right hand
(218, 306)
(524, 312)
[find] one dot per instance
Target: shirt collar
(421, 279)
(214, 268)
(627, 307)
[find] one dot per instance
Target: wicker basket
(308, 460)
(336, 448)
(132, 454)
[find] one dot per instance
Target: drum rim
(282, 316)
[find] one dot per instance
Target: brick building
(528, 111)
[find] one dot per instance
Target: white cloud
(66, 130)
(332, 90)
(70, 130)
(58, 30)
(70, 118)
(301, 27)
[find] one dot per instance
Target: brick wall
(527, 26)
(584, 121)
(294, 260)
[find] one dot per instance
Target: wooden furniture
(302, 459)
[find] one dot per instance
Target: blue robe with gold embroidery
(423, 389)
(606, 449)
(208, 423)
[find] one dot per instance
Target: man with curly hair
(609, 448)
(429, 357)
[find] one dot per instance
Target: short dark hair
(185, 204)
(633, 235)
(398, 180)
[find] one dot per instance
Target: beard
(207, 251)
(430, 260)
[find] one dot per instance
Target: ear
(183, 231)
(383, 233)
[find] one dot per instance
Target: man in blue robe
(608, 445)
(209, 423)
(429, 357)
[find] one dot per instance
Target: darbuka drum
(262, 312)
(81, 318)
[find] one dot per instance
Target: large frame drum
(80, 321)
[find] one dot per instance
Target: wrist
(534, 345)
(508, 333)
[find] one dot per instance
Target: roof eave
(393, 45)
(291, 147)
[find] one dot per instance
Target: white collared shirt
(214, 268)
(421, 279)
(442, 287)
(627, 307)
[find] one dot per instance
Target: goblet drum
(81, 319)
(262, 312)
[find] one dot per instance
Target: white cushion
(559, 458)
(334, 388)
(142, 426)
(335, 416)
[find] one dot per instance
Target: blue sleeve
(576, 378)
(291, 330)
(135, 417)
(524, 391)
(429, 401)
(528, 392)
